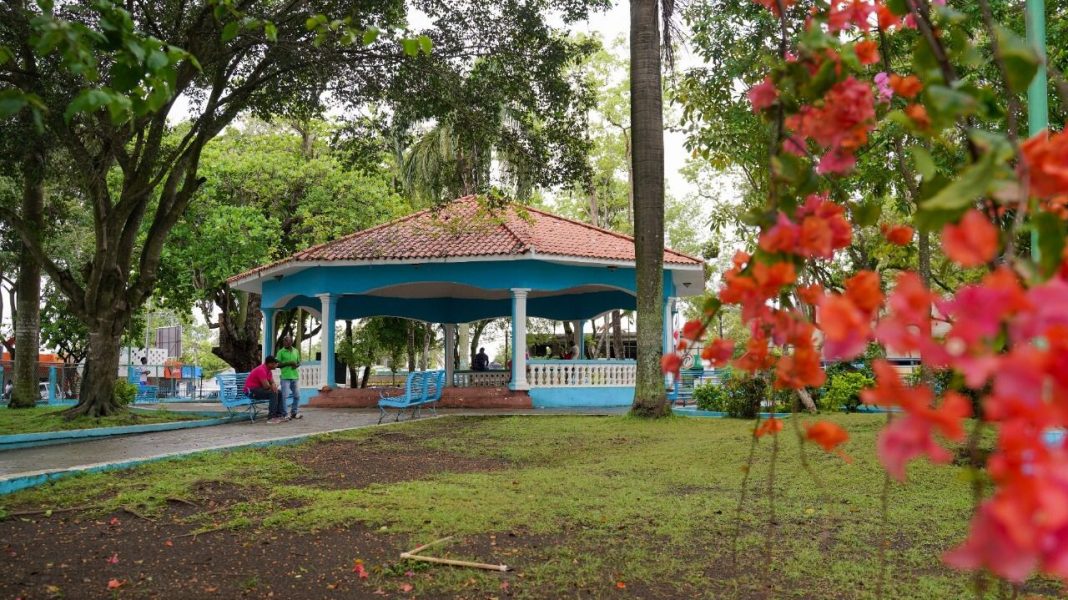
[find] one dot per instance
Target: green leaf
(1051, 237)
(11, 102)
(1021, 60)
(270, 31)
(156, 61)
(925, 165)
(314, 22)
(230, 31)
(425, 44)
(949, 101)
(969, 185)
(411, 47)
(370, 35)
(867, 213)
(5, 54)
(88, 101)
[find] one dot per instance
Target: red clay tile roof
(468, 228)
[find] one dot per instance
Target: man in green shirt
(289, 360)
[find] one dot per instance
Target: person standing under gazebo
(289, 360)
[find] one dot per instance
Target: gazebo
(465, 261)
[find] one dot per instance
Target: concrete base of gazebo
(452, 397)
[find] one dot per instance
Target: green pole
(1037, 102)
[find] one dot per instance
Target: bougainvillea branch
(1002, 339)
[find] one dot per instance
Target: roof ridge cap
(608, 231)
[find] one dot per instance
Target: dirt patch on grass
(346, 464)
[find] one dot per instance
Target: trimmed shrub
(710, 396)
(843, 391)
(125, 392)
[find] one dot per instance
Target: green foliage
(843, 391)
(125, 392)
(710, 396)
(740, 395)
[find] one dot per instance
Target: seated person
(481, 362)
(261, 386)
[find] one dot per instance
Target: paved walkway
(27, 462)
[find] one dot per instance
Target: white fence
(582, 373)
(309, 375)
(480, 378)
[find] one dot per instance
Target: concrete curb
(22, 481)
(47, 438)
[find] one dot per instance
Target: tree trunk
(97, 397)
(366, 376)
(647, 126)
(411, 346)
(617, 335)
(239, 331)
(28, 310)
(354, 373)
(476, 337)
(424, 361)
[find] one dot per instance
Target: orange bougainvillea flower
(771, 425)
(867, 51)
(1047, 161)
(899, 235)
(918, 114)
(826, 435)
(864, 290)
(718, 352)
(810, 294)
(972, 242)
(906, 87)
(671, 363)
(693, 329)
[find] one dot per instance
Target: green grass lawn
(610, 500)
(48, 418)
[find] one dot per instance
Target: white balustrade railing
(481, 378)
(582, 373)
(309, 375)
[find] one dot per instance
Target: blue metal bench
(233, 397)
(146, 394)
(421, 388)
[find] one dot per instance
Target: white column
(327, 334)
(669, 326)
(519, 339)
(580, 339)
(450, 349)
(465, 346)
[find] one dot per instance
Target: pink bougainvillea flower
(1047, 160)
(836, 162)
(863, 289)
(763, 95)
(781, 237)
(845, 327)
(907, 438)
(989, 545)
(846, 13)
(972, 242)
(882, 85)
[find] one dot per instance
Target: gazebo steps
(452, 397)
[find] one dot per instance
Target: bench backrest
(435, 381)
(232, 389)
